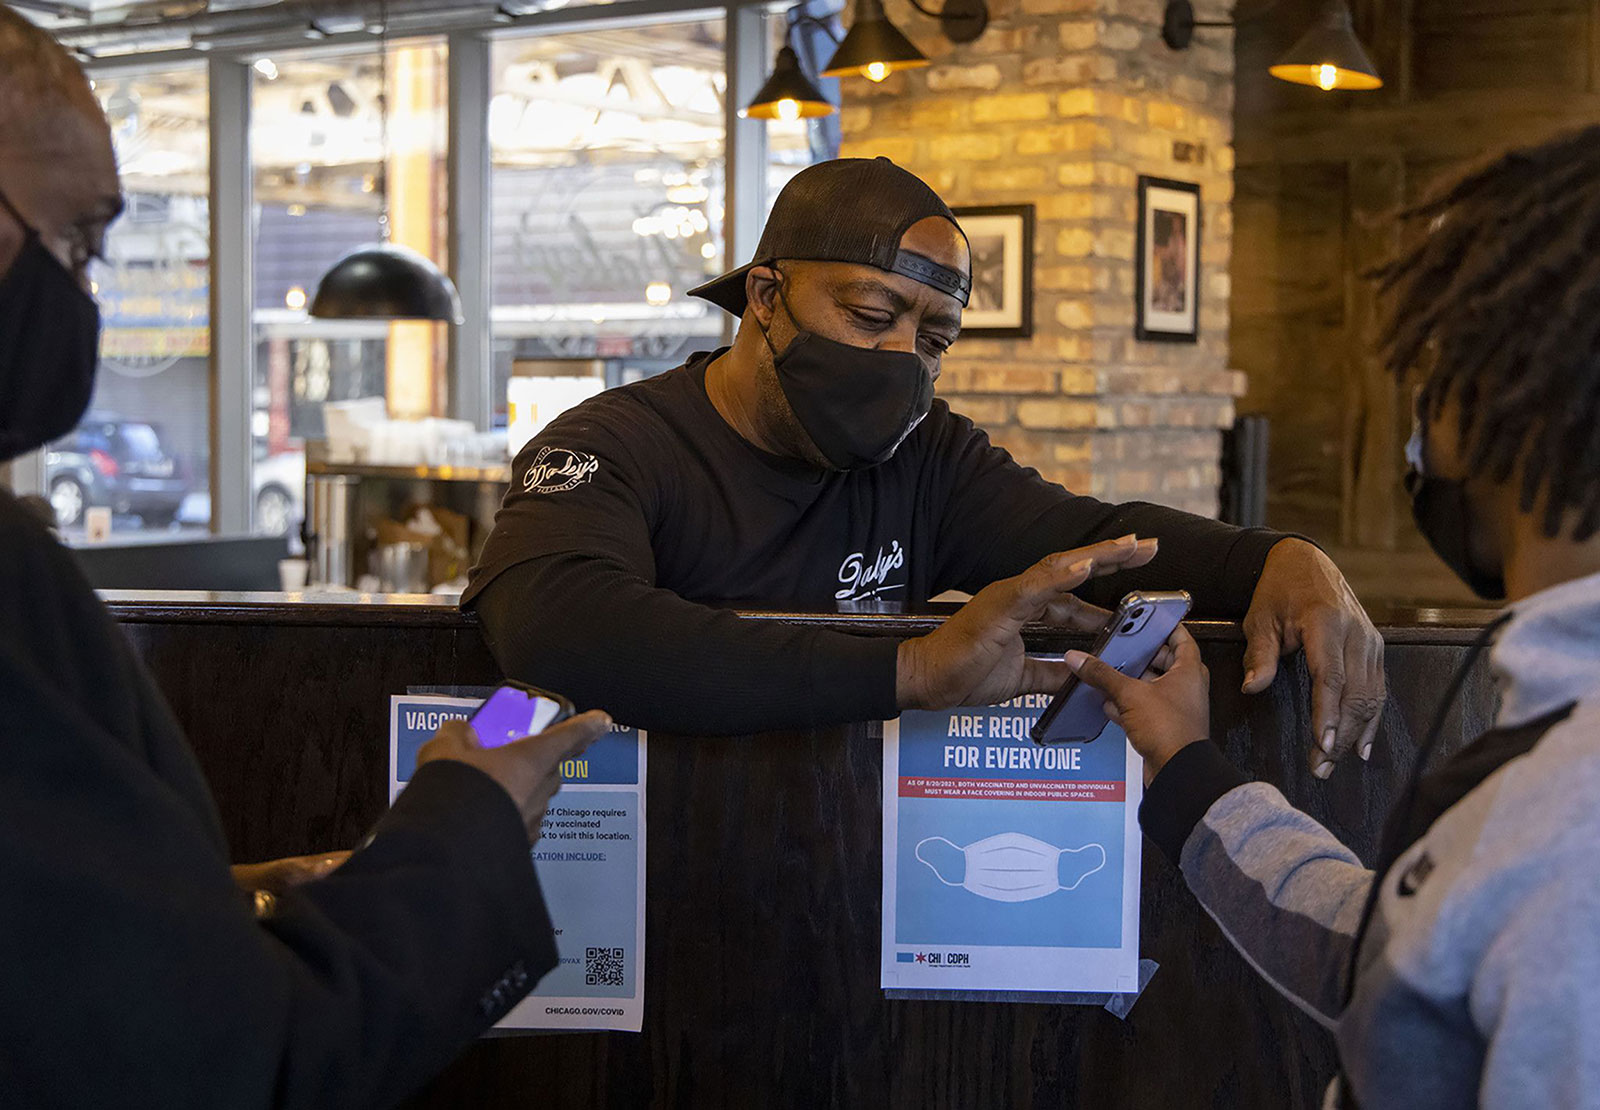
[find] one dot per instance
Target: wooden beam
(1371, 452)
(1464, 125)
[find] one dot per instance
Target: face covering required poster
(1008, 866)
(590, 860)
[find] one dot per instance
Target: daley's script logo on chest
(556, 469)
(865, 577)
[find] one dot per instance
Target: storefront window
(607, 184)
(141, 457)
(321, 162)
(607, 204)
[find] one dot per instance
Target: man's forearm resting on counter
(594, 629)
(599, 635)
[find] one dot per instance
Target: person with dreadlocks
(1461, 970)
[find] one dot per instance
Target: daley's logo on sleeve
(862, 579)
(556, 469)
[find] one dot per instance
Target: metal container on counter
(331, 526)
(403, 568)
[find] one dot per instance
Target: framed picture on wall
(1001, 306)
(1167, 261)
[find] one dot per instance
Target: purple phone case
(510, 714)
(1082, 717)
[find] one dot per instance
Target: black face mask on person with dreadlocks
(1497, 296)
(1443, 513)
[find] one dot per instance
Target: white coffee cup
(292, 574)
(97, 524)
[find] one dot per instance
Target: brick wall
(1063, 104)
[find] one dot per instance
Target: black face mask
(857, 404)
(49, 345)
(1444, 518)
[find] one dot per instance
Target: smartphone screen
(512, 713)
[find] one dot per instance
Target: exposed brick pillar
(1063, 104)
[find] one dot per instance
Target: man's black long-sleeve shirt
(633, 514)
(135, 972)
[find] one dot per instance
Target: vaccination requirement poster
(1007, 865)
(590, 860)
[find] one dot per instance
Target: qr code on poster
(602, 967)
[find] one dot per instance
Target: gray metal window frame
(469, 88)
(232, 294)
(472, 343)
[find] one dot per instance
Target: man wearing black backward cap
(810, 466)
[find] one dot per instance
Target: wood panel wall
(763, 878)
(1319, 178)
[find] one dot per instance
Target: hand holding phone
(519, 738)
(1161, 716)
(514, 711)
(1129, 642)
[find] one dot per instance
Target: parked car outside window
(117, 463)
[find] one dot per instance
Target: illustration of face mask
(1010, 867)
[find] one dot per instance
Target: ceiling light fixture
(872, 48)
(386, 281)
(1328, 56)
(254, 41)
(788, 94)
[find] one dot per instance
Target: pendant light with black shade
(1328, 56)
(872, 48)
(384, 280)
(789, 94)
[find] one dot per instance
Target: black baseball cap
(847, 210)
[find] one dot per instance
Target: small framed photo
(1001, 237)
(1167, 261)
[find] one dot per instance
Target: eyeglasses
(71, 249)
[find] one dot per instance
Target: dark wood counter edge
(421, 611)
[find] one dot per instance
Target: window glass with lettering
(607, 206)
(142, 454)
(326, 167)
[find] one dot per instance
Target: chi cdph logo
(556, 469)
(935, 959)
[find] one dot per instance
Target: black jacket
(634, 518)
(137, 974)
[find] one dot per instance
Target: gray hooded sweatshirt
(1478, 980)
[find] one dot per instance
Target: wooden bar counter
(764, 875)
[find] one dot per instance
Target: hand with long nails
(1303, 602)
